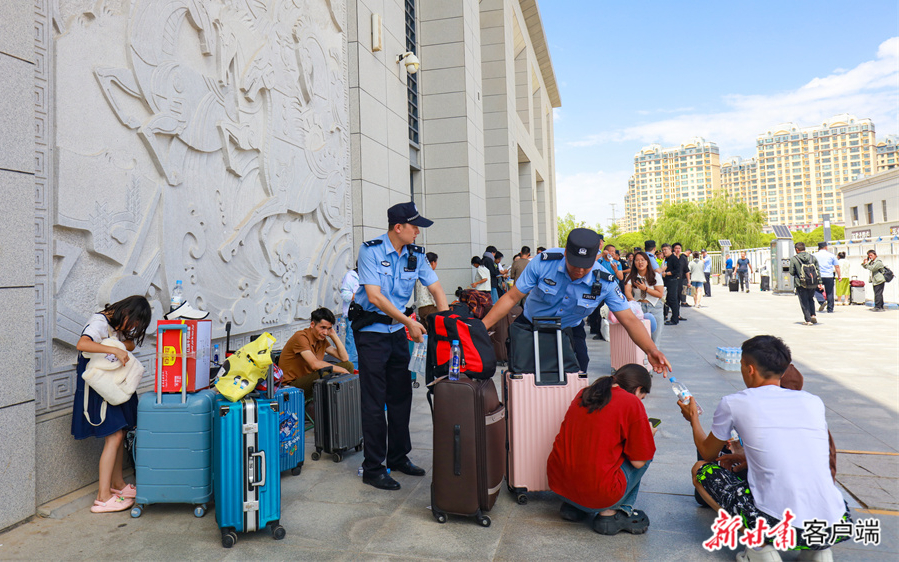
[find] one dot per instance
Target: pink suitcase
(535, 407)
(623, 348)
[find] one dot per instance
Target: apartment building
(800, 169)
(689, 172)
(887, 153)
(739, 179)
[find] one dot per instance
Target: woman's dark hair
(769, 354)
(323, 313)
(650, 271)
(629, 377)
(842, 255)
(476, 261)
(871, 251)
(130, 317)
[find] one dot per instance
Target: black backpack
(457, 323)
(887, 274)
(808, 274)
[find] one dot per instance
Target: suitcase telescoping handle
(547, 323)
(159, 330)
(251, 468)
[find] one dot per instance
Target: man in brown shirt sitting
(302, 359)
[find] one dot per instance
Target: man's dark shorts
(733, 495)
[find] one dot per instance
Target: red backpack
(478, 359)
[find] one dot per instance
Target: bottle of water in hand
(683, 394)
(455, 361)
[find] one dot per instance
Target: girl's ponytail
(598, 394)
(630, 377)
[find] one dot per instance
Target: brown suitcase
(469, 448)
(500, 334)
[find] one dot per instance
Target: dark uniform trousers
(672, 285)
(385, 379)
(579, 342)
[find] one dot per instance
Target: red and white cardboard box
(197, 354)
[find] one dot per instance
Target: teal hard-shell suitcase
(173, 446)
(246, 465)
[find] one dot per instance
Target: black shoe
(382, 482)
(682, 319)
(670, 323)
(409, 468)
(611, 524)
(685, 305)
(821, 308)
(599, 337)
(570, 513)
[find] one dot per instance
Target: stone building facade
(245, 148)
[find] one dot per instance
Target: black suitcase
(734, 285)
(469, 448)
(765, 284)
(338, 415)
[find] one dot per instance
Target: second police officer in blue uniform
(569, 283)
(389, 266)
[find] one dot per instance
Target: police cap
(403, 213)
(582, 247)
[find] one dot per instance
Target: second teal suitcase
(246, 466)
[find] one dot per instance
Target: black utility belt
(362, 318)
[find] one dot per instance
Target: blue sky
(634, 73)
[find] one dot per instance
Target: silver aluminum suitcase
(338, 415)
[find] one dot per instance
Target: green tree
(569, 223)
(700, 224)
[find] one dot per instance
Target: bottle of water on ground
(728, 358)
(177, 296)
(683, 394)
(455, 361)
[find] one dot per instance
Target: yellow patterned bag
(243, 369)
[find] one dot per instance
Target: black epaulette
(551, 256)
(374, 242)
(413, 249)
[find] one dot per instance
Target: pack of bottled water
(419, 355)
(728, 358)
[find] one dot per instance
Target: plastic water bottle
(215, 355)
(683, 394)
(177, 295)
(455, 361)
(417, 360)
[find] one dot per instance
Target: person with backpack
(806, 278)
(878, 278)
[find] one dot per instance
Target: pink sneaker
(115, 503)
(128, 492)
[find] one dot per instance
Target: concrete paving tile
(883, 466)
(874, 493)
(548, 540)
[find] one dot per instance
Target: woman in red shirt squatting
(603, 448)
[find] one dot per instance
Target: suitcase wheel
(358, 447)
(521, 499)
(483, 520)
(296, 470)
(337, 457)
(229, 538)
(415, 384)
(200, 510)
(316, 455)
(439, 516)
(278, 532)
(137, 510)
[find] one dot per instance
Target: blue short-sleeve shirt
(381, 265)
(552, 292)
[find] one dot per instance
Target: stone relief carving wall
(201, 140)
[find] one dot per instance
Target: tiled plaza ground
(851, 360)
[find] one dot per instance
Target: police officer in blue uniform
(570, 283)
(389, 266)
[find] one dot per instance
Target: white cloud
(587, 195)
(557, 114)
(866, 91)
